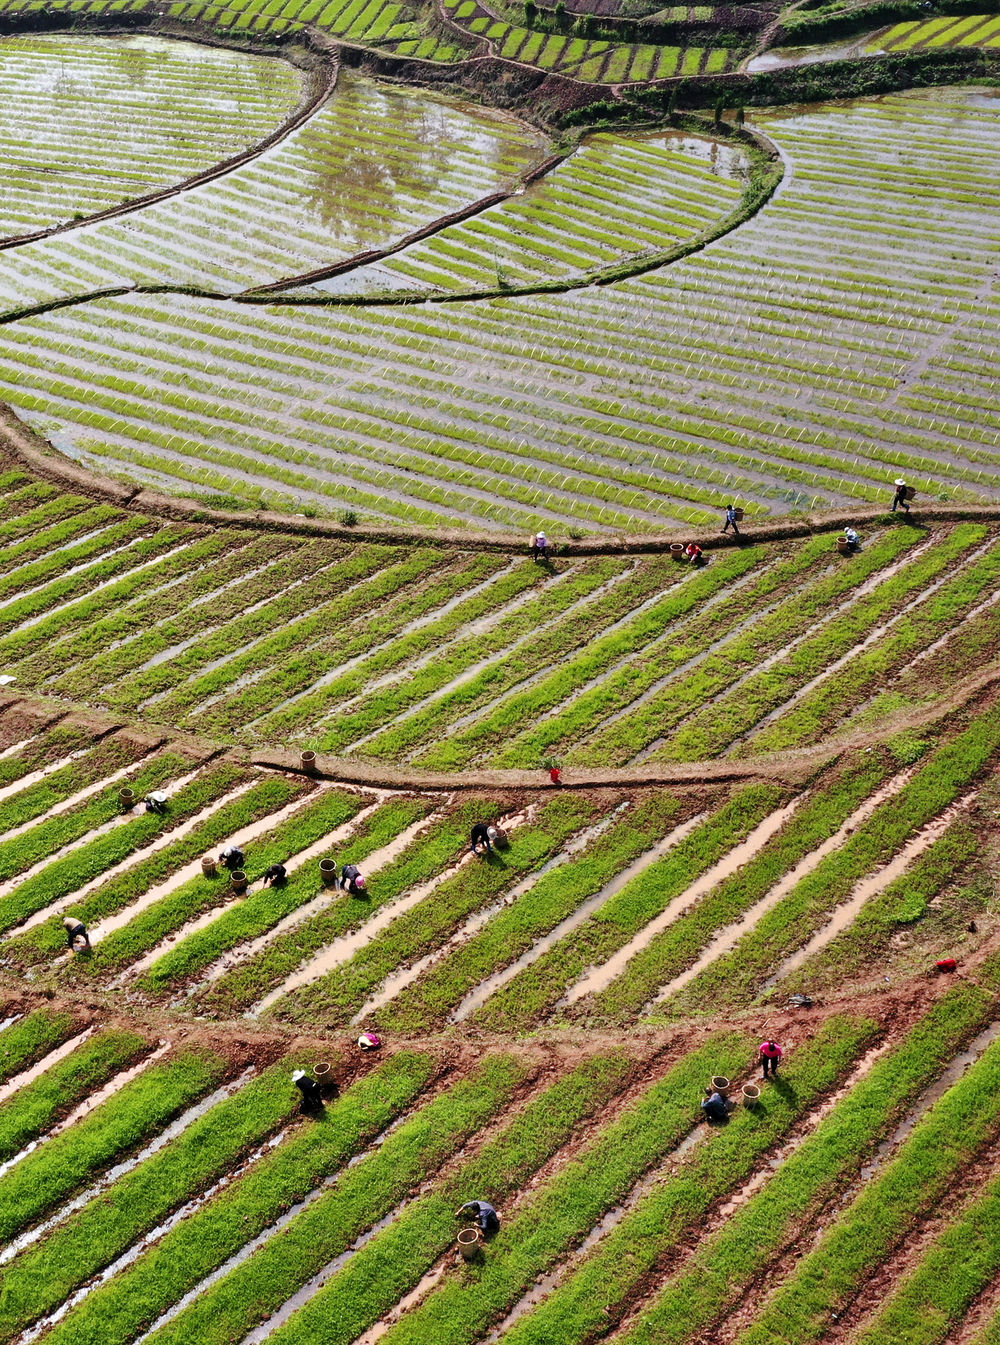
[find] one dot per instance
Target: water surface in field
(88, 123)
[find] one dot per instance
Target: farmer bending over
(484, 836)
(715, 1107)
(75, 929)
(233, 857)
(351, 880)
(484, 1214)
(275, 875)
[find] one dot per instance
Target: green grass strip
(820, 711)
(903, 902)
(937, 1153)
(250, 982)
(117, 1312)
(51, 746)
(677, 947)
(107, 757)
(713, 726)
(787, 926)
(338, 995)
(264, 909)
(143, 1107)
(45, 1275)
(534, 992)
(713, 675)
(37, 1106)
(958, 1266)
(64, 876)
(25, 1042)
(734, 1257)
(367, 1193)
(556, 1216)
(424, 1006)
(589, 1302)
(51, 834)
(45, 940)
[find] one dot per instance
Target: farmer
(484, 836)
(156, 802)
(731, 520)
(770, 1056)
(852, 538)
(369, 1041)
(351, 880)
(555, 775)
(715, 1107)
(540, 546)
(312, 1096)
(233, 857)
(75, 929)
(899, 500)
(693, 552)
(484, 1214)
(275, 875)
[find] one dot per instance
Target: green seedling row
(264, 909)
(116, 1312)
(62, 1165)
(339, 994)
(535, 991)
(31, 1038)
(552, 1218)
(732, 1259)
(737, 976)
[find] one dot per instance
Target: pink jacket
(765, 1049)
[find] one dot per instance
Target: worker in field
(555, 774)
(75, 929)
(693, 552)
(156, 802)
(484, 836)
(852, 538)
(715, 1107)
(233, 857)
(899, 500)
(731, 520)
(312, 1094)
(540, 546)
(483, 1213)
(351, 880)
(275, 876)
(770, 1056)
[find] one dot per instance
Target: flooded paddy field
(773, 806)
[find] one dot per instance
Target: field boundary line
(29, 450)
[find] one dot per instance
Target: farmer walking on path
(731, 521)
(540, 546)
(75, 929)
(899, 500)
(770, 1055)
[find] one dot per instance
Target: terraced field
(754, 795)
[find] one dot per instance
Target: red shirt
(771, 1049)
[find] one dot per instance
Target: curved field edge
(24, 447)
